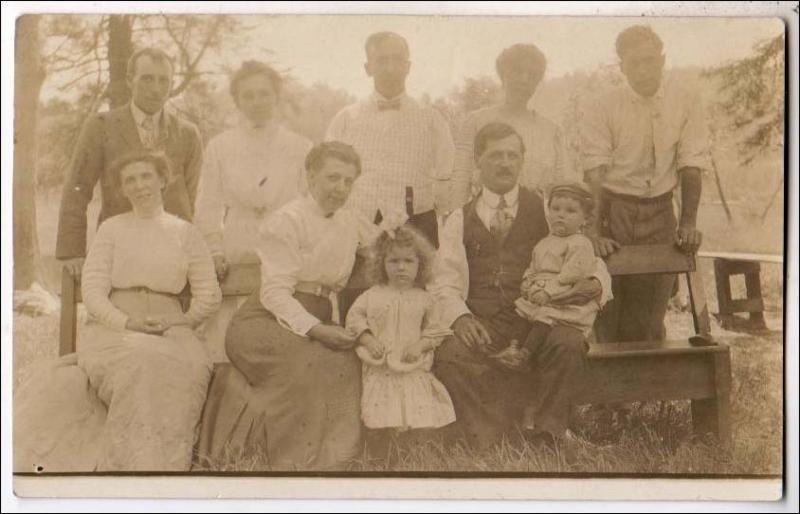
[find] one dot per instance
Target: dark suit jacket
(496, 267)
(107, 136)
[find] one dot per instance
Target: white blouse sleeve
(96, 278)
(450, 284)
(210, 208)
(601, 274)
(281, 261)
(206, 294)
(464, 162)
(338, 126)
(434, 328)
(357, 315)
(443, 164)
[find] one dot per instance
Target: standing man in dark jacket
(143, 124)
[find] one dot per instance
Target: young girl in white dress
(398, 329)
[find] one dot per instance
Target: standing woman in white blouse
(131, 397)
(291, 399)
(521, 68)
(248, 172)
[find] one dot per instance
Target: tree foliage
(752, 98)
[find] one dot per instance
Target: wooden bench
(697, 370)
(727, 265)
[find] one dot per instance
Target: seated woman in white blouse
(131, 397)
(291, 401)
(249, 171)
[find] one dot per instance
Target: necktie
(389, 105)
(501, 222)
(149, 132)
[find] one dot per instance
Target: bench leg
(714, 414)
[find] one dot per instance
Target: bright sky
(447, 49)
(444, 50)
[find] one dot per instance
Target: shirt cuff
(300, 324)
(452, 311)
(699, 162)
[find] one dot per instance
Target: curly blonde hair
(404, 237)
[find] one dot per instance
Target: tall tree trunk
(120, 49)
(28, 79)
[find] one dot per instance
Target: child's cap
(578, 189)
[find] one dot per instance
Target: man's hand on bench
(688, 239)
(604, 246)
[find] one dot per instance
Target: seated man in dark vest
(484, 251)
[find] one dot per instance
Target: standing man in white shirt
(402, 143)
(406, 149)
(639, 143)
(144, 123)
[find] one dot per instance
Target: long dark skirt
(287, 398)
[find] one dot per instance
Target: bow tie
(389, 105)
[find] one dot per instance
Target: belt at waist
(144, 289)
(610, 195)
(314, 288)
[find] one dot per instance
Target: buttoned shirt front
(140, 117)
(644, 142)
(405, 145)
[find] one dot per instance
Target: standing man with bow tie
(402, 143)
(406, 149)
(639, 143)
(144, 123)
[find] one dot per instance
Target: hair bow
(392, 221)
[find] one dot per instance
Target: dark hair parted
(514, 54)
(155, 54)
(637, 35)
(377, 38)
(317, 156)
(405, 236)
(158, 160)
(493, 132)
(249, 69)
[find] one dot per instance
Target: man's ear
(367, 70)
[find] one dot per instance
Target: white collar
(376, 97)
(315, 208)
(492, 199)
(139, 115)
(269, 128)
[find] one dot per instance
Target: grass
(654, 438)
